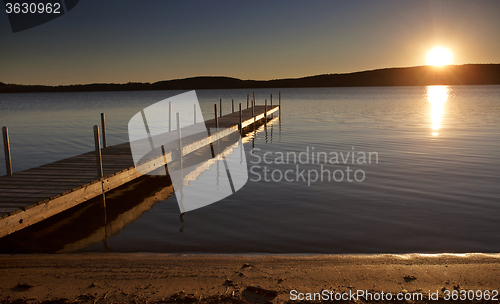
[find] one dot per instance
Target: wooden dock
(32, 195)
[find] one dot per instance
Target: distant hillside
(469, 74)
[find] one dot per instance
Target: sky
(119, 41)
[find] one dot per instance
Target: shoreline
(235, 278)
(423, 75)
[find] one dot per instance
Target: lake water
(428, 182)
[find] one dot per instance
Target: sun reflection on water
(437, 96)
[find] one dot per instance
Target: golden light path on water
(437, 96)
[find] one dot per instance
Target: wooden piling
(254, 98)
(179, 134)
(232, 105)
(6, 147)
(280, 105)
(220, 107)
(248, 98)
(170, 116)
(265, 112)
(103, 126)
(216, 119)
(180, 140)
(272, 115)
(253, 108)
(98, 152)
(241, 121)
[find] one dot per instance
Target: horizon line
(230, 77)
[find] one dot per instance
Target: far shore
(466, 74)
(166, 278)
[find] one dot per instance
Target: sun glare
(437, 96)
(439, 56)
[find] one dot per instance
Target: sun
(439, 56)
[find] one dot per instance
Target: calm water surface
(432, 184)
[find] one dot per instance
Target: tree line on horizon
(469, 74)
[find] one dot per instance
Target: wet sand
(142, 278)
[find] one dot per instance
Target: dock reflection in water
(91, 222)
(100, 218)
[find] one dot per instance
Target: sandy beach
(163, 278)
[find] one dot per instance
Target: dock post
(272, 115)
(253, 108)
(280, 105)
(216, 119)
(6, 147)
(265, 112)
(248, 98)
(220, 108)
(232, 105)
(240, 126)
(179, 135)
(254, 98)
(180, 143)
(98, 152)
(195, 113)
(170, 116)
(103, 126)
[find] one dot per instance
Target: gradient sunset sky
(147, 41)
